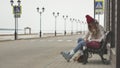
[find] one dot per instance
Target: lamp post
(71, 19)
(85, 26)
(40, 12)
(94, 9)
(76, 25)
(65, 17)
(82, 27)
(17, 12)
(55, 15)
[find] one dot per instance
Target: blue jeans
(81, 43)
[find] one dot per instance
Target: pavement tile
(60, 62)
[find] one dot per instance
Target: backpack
(78, 58)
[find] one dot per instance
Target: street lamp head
(43, 9)
(78, 20)
(53, 13)
(75, 20)
(19, 2)
(58, 13)
(37, 9)
(67, 16)
(11, 1)
(63, 16)
(72, 19)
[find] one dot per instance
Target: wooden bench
(87, 51)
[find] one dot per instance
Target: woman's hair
(96, 28)
(91, 25)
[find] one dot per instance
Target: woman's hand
(98, 40)
(86, 40)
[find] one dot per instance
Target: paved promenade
(43, 53)
(59, 62)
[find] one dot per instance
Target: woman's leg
(70, 54)
(80, 44)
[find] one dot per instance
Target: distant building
(27, 30)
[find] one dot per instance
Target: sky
(76, 9)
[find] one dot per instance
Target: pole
(98, 17)
(94, 9)
(72, 29)
(65, 27)
(55, 24)
(76, 27)
(15, 28)
(40, 26)
(16, 9)
(82, 27)
(71, 26)
(15, 34)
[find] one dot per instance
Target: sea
(21, 31)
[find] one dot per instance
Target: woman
(94, 37)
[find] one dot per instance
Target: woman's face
(92, 27)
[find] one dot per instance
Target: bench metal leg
(85, 56)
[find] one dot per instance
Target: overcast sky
(30, 18)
